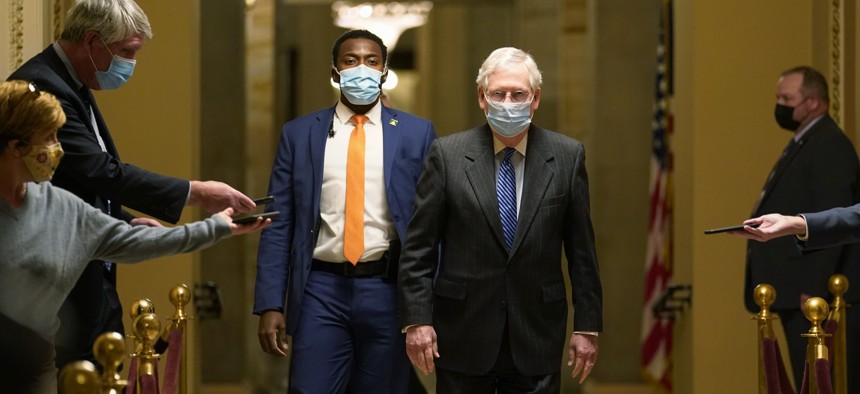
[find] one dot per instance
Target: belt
(363, 269)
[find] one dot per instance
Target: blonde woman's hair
(25, 111)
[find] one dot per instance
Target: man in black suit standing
(97, 50)
(817, 171)
(497, 204)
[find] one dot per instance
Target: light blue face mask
(508, 119)
(117, 74)
(360, 85)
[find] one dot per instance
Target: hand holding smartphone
(730, 228)
(252, 218)
(264, 200)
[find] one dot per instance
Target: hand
(582, 354)
(772, 226)
(215, 196)
(272, 333)
(238, 229)
(149, 222)
(421, 347)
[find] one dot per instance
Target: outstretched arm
(772, 226)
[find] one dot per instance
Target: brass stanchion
(79, 377)
(815, 311)
(109, 350)
(139, 307)
(180, 296)
(838, 285)
(146, 329)
(764, 295)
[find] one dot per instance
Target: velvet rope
(174, 361)
(776, 379)
(148, 384)
(822, 376)
(131, 388)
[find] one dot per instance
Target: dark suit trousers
(348, 338)
(92, 308)
(503, 378)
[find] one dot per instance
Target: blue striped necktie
(506, 188)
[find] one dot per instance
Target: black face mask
(783, 114)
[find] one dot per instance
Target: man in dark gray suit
(497, 203)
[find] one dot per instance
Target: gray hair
(115, 20)
(505, 58)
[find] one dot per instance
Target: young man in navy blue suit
(341, 311)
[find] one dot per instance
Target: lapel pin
(393, 122)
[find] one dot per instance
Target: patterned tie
(353, 234)
(506, 188)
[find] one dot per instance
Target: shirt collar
(67, 63)
(498, 146)
(343, 113)
(800, 133)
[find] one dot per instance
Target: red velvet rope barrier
(776, 379)
(174, 359)
(132, 378)
(148, 384)
(822, 376)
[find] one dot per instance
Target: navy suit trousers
(348, 338)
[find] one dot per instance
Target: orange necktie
(353, 234)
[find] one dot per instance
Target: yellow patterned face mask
(43, 160)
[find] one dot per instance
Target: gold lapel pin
(393, 122)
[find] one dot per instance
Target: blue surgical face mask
(508, 119)
(360, 85)
(117, 74)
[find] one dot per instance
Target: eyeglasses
(518, 96)
(34, 89)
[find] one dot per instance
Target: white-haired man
(499, 202)
(97, 50)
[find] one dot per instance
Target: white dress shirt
(378, 227)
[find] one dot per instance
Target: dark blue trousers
(348, 338)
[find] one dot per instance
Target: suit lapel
(785, 162)
(110, 147)
(536, 178)
(390, 141)
(318, 133)
(482, 177)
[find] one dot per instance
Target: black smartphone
(253, 218)
(730, 228)
(264, 200)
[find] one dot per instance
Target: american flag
(656, 337)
